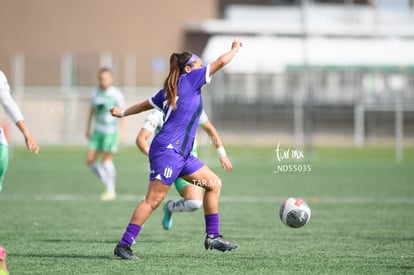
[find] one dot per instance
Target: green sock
(4, 162)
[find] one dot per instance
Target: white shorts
(3, 139)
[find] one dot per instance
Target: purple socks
(212, 224)
(132, 230)
(130, 234)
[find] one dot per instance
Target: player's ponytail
(177, 64)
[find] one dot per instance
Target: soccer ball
(295, 212)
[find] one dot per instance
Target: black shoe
(124, 252)
(219, 243)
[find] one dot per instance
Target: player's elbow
(222, 61)
(208, 129)
(141, 143)
(137, 142)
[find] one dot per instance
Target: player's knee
(154, 202)
(89, 161)
(194, 204)
(215, 184)
(90, 158)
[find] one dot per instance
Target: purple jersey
(180, 125)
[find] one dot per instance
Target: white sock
(110, 176)
(182, 205)
(99, 171)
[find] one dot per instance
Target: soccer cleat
(219, 243)
(125, 252)
(108, 196)
(3, 266)
(167, 219)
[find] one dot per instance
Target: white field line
(224, 199)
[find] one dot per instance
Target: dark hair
(177, 65)
(104, 70)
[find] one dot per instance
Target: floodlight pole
(307, 113)
(359, 126)
(399, 129)
(67, 81)
(105, 60)
(398, 83)
(298, 114)
(18, 69)
(18, 78)
(130, 71)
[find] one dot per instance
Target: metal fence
(361, 104)
(355, 105)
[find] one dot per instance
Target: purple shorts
(168, 165)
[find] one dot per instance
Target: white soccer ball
(295, 212)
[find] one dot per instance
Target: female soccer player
(15, 114)
(105, 136)
(192, 196)
(181, 102)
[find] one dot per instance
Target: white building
(331, 69)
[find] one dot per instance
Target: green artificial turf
(362, 201)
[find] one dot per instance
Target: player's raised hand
(236, 45)
(116, 111)
(226, 164)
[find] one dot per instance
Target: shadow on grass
(114, 241)
(78, 241)
(387, 238)
(167, 256)
(63, 256)
(145, 254)
(404, 267)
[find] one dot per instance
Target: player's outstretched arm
(209, 128)
(31, 143)
(134, 109)
(225, 58)
(16, 115)
(142, 141)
